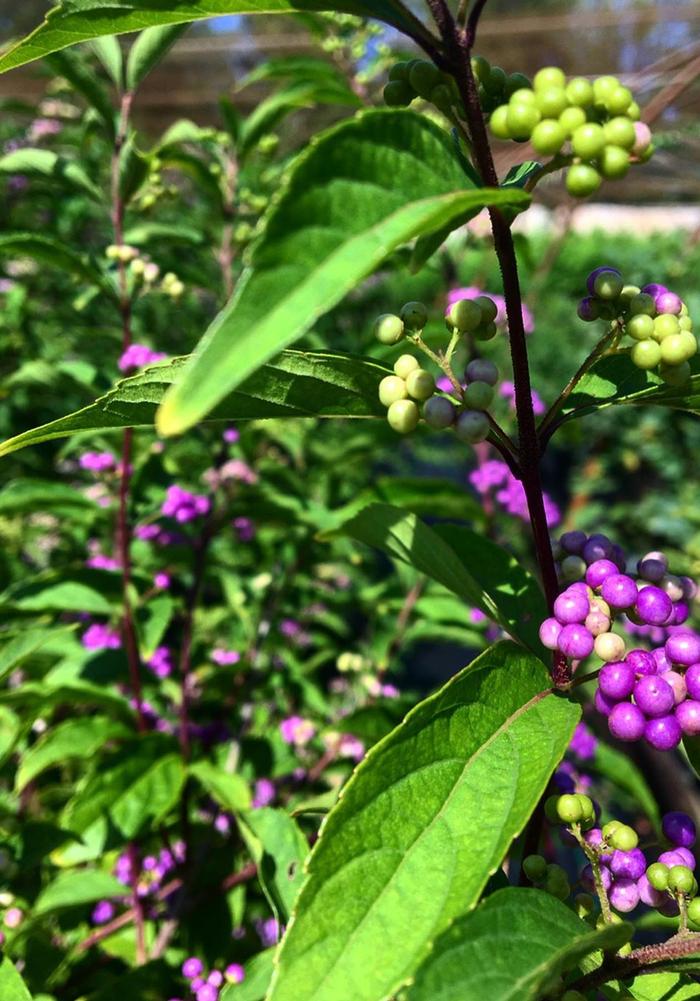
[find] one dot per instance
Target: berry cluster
(653, 316)
(599, 120)
(464, 409)
(651, 694)
(419, 78)
(617, 870)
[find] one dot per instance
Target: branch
(648, 959)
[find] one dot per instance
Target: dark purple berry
(663, 733)
(603, 704)
(681, 611)
(598, 547)
(651, 569)
(641, 662)
(575, 641)
(654, 289)
(679, 829)
(616, 680)
(683, 648)
(690, 588)
(573, 542)
(653, 606)
(624, 895)
(619, 590)
(599, 571)
(654, 696)
(628, 864)
(626, 721)
(618, 557)
(590, 281)
(688, 715)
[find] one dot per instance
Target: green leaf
(12, 987)
(295, 384)
(147, 51)
(425, 820)
(22, 646)
(469, 565)
(615, 381)
(109, 52)
(73, 21)
(74, 68)
(10, 729)
(82, 886)
(228, 789)
(509, 949)
(74, 738)
(654, 987)
(143, 233)
(617, 767)
(360, 191)
(55, 595)
(44, 164)
(28, 495)
(519, 175)
(258, 974)
(279, 849)
(691, 746)
(57, 254)
(133, 169)
(151, 797)
(151, 622)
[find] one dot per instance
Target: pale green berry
(674, 350)
(691, 343)
(388, 328)
(642, 303)
(420, 384)
(640, 327)
(391, 389)
(618, 101)
(498, 123)
(628, 293)
(588, 140)
(607, 285)
(580, 91)
(551, 101)
(646, 354)
(535, 868)
(657, 874)
(439, 413)
(623, 838)
(548, 137)
(620, 132)
(614, 162)
(634, 112)
(609, 647)
(572, 568)
(549, 76)
(478, 396)
(524, 95)
(405, 364)
(685, 323)
(414, 315)
(521, 119)
(481, 68)
(472, 426)
(665, 325)
(582, 179)
(603, 87)
(569, 809)
(570, 119)
(680, 879)
(403, 416)
(465, 315)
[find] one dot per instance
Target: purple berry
(571, 606)
(549, 633)
(597, 622)
(192, 967)
(683, 648)
(668, 302)
(654, 696)
(671, 858)
(690, 588)
(641, 662)
(588, 881)
(588, 309)
(663, 733)
(590, 281)
(603, 704)
(626, 721)
(661, 660)
(619, 590)
(651, 569)
(598, 547)
(673, 587)
(681, 611)
(647, 894)
(687, 856)
(616, 680)
(654, 289)
(628, 864)
(692, 681)
(688, 716)
(575, 641)
(573, 542)
(624, 895)
(677, 683)
(653, 605)
(618, 557)
(679, 829)
(599, 571)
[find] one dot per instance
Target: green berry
(569, 809)
(685, 323)
(584, 903)
(420, 384)
(572, 568)
(391, 389)
(404, 365)
(465, 315)
(486, 332)
(495, 83)
(517, 82)
(498, 123)
(481, 68)
(607, 285)
(603, 87)
(614, 162)
(472, 426)
(478, 396)
(521, 119)
(680, 879)
(620, 132)
(642, 303)
(571, 118)
(588, 140)
(646, 354)
(424, 77)
(535, 868)
(441, 97)
(549, 76)
(582, 180)
(439, 413)
(657, 874)
(551, 809)
(556, 882)
(586, 806)
(665, 326)
(579, 92)
(675, 375)
(552, 101)
(623, 838)
(691, 344)
(694, 912)
(489, 309)
(398, 94)
(403, 416)
(634, 112)
(618, 101)
(400, 71)
(641, 327)
(674, 350)
(548, 137)
(523, 96)
(414, 315)
(388, 328)
(629, 292)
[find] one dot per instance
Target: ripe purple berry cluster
(464, 407)
(594, 125)
(655, 318)
(650, 694)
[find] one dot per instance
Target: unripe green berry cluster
(402, 392)
(654, 318)
(571, 808)
(594, 123)
(419, 78)
(548, 877)
(473, 316)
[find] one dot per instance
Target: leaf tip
(170, 419)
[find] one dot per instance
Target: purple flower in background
(102, 912)
(162, 581)
(161, 663)
(237, 469)
(265, 793)
(100, 637)
(488, 475)
(147, 533)
(472, 292)
(184, 506)
(231, 435)
(224, 657)
(269, 931)
(297, 731)
(244, 529)
(234, 973)
(351, 747)
(511, 495)
(583, 743)
(477, 616)
(97, 462)
(507, 389)
(389, 691)
(192, 968)
(138, 356)
(101, 562)
(207, 992)
(17, 183)
(40, 128)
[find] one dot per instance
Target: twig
(648, 959)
